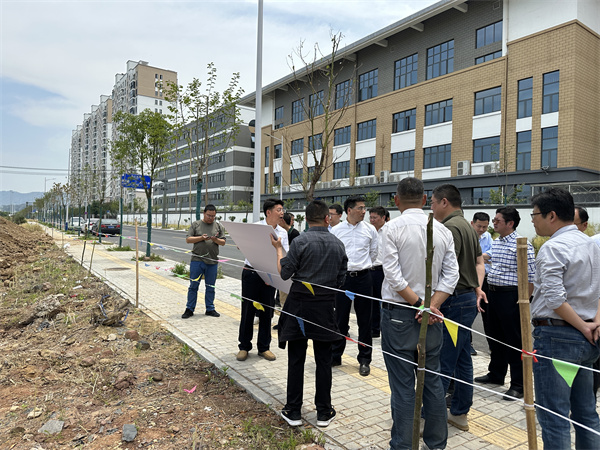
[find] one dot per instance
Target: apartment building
(482, 94)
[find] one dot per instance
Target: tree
(319, 77)
(143, 145)
(498, 197)
(206, 120)
(372, 199)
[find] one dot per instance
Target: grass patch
(152, 257)
(33, 227)
(125, 248)
(181, 269)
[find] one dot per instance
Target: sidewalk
(362, 403)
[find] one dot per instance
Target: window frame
(550, 154)
(524, 102)
(297, 147)
(366, 130)
(341, 170)
(367, 85)
(444, 150)
(523, 158)
(444, 62)
(407, 118)
(368, 163)
(445, 106)
(298, 110)
(550, 100)
(342, 94)
(480, 149)
(342, 133)
(491, 32)
(406, 71)
(402, 160)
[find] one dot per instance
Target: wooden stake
(421, 346)
(92, 257)
(526, 340)
(83, 252)
(137, 268)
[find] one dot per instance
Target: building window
(405, 72)
(439, 112)
(297, 146)
(524, 150)
(549, 147)
(486, 150)
(403, 161)
(279, 113)
(266, 183)
(315, 102)
(276, 178)
(488, 35)
(278, 126)
(367, 130)
(525, 98)
(438, 156)
(405, 120)
(341, 136)
(315, 142)
(367, 85)
(342, 94)
(550, 99)
(298, 111)
(296, 176)
(341, 170)
(440, 59)
(481, 195)
(488, 101)
(266, 156)
(277, 151)
(365, 166)
(488, 57)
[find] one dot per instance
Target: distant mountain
(15, 201)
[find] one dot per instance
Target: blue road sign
(134, 180)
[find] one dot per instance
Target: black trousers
(295, 377)
(485, 316)
(255, 289)
(505, 325)
(377, 279)
(362, 306)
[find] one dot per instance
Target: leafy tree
(143, 145)
(498, 197)
(372, 199)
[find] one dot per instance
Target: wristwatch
(418, 303)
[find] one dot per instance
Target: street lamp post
(258, 145)
(46, 209)
(281, 171)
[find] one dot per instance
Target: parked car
(76, 223)
(107, 226)
(87, 226)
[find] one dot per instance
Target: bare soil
(59, 366)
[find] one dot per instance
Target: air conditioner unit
(319, 185)
(286, 189)
(335, 183)
(395, 177)
(490, 167)
(384, 176)
(373, 179)
(463, 168)
(326, 184)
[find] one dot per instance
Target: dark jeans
(362, 306)
(255, 289)
(377, 279)
(505, 325)
(295, 377)
(209, 272)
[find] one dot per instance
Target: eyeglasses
(496, 220)
(360, 208)
(535, 214)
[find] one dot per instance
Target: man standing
(254, 289)
(404, 257)
(206, 235)
(360, 240)
(335, 215)
(317, 257)
(480, 223)
(288, 225)
(504, 316)
(581, 218)
(461, 306)
(566, 318)
(377, 217)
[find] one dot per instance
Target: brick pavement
(362, 403)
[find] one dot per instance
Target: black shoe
(276, 327)
(473, 351)
(187, 314)
(336, 362)
(487, 379)
(212, 313)
(364, 370)
(293, 418)
(512, 393)
(375, 333)
(448, 400)
(324, 419)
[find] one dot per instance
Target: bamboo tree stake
(83, 252)
(92, 257)
(526, 340)
(137, 267)
(422, 337)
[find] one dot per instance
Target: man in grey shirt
(566, 318)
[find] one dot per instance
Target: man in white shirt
(335, 215)
(404, 257)
(377, 217)
(254, 289)
(360, 240)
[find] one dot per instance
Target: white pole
(258, 119)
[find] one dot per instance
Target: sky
(58, 57)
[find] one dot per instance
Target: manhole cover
(117, 268)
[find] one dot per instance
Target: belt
(463, 291)
(390, 306)
(377, 268)
(552, 323)
(495, 288)
(357, 273)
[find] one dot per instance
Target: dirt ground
(67, 380)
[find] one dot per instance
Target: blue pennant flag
(301, 324)
(270, 278)
(350, 295)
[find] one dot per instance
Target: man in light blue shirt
(481, 223)
(566, 317)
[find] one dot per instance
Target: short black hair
(379, 210)
(352, 201)
(510, 214)
(210, 208)
(410, 190)
(316, 211)
(583, 214)
(270, 203)
(484, 217)
(338, 208)
(558, 200)
(449, 192)
(287, 218)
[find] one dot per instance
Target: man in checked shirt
(503, 310)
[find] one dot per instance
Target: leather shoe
(512, 393)
(487, 379)
(364, 370)
(336, 362)
(376, 333)
(212, 313)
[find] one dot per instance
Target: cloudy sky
(58, 57)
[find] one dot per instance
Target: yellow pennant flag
(258, 306)
(198, 279)
(309, 287)
(452, 328)
(566, 370)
